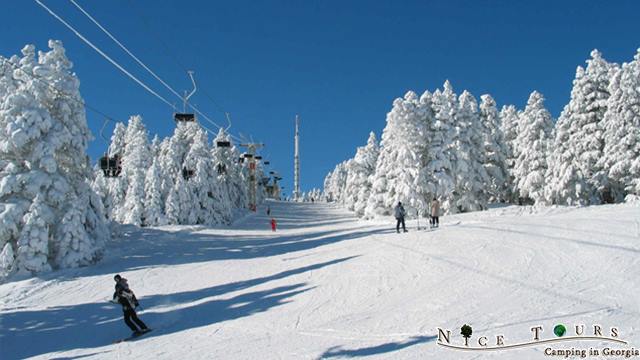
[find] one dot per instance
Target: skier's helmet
(117, 277)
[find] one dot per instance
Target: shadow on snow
(338, 351)
(63, 328)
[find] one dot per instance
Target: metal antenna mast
(296, 164)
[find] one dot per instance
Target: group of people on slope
(400, 213)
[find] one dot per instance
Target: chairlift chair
(266, 162)
(223, 143)
(184, 117)
(258, 157)
(187, 173)
(111, 165)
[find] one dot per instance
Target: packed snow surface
(327, 285)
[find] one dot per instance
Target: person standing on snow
(273, 224)
(435, 212)
(399, 214)
(268, 211)
(125, 297)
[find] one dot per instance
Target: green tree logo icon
(466, 331)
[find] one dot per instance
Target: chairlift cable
(140, 62)
(125, 48)
(88, 42)
(183, 67)
(94, 47)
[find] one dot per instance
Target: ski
(133, 336)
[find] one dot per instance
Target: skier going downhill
(125, 297)
(399, 213)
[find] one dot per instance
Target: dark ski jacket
(399, 212)
(124, 296)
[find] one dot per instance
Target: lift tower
(296, 164)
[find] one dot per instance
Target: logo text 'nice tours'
(577, 333)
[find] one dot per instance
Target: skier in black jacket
(125, 297)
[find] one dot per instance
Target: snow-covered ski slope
(327, 285)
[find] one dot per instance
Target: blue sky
(339, 64)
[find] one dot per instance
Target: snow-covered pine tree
(358, 184)
(495, 150)
(153, 205)
(403, 155)
(49, 214)
(113, 196)
(509, 120)
(368, 159)
(135, 162)
(336, 182)
(532, 145)
(326, 187)
(621, 135)
(574, 176)
(172, 160)
(229, 172)
(213, 207)
(439, 174)
(470, 192)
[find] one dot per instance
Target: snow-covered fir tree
(471, 179)
(336, 181)
(401, 160)
(113, 189)
(359, 180)
(573, 176)
(358, 184)
(439, 174)
(532, 143)
(173, 170)
(49, 215)
(509, 120)
(135, 162)
(212, 206)
(495, 151)
(621, 123)
(153, 205)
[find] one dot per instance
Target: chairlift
(266, 162)
(223, 143)
(187, 173)
(184, 117)
(111, 166)
(248, 156)
(258, 157)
